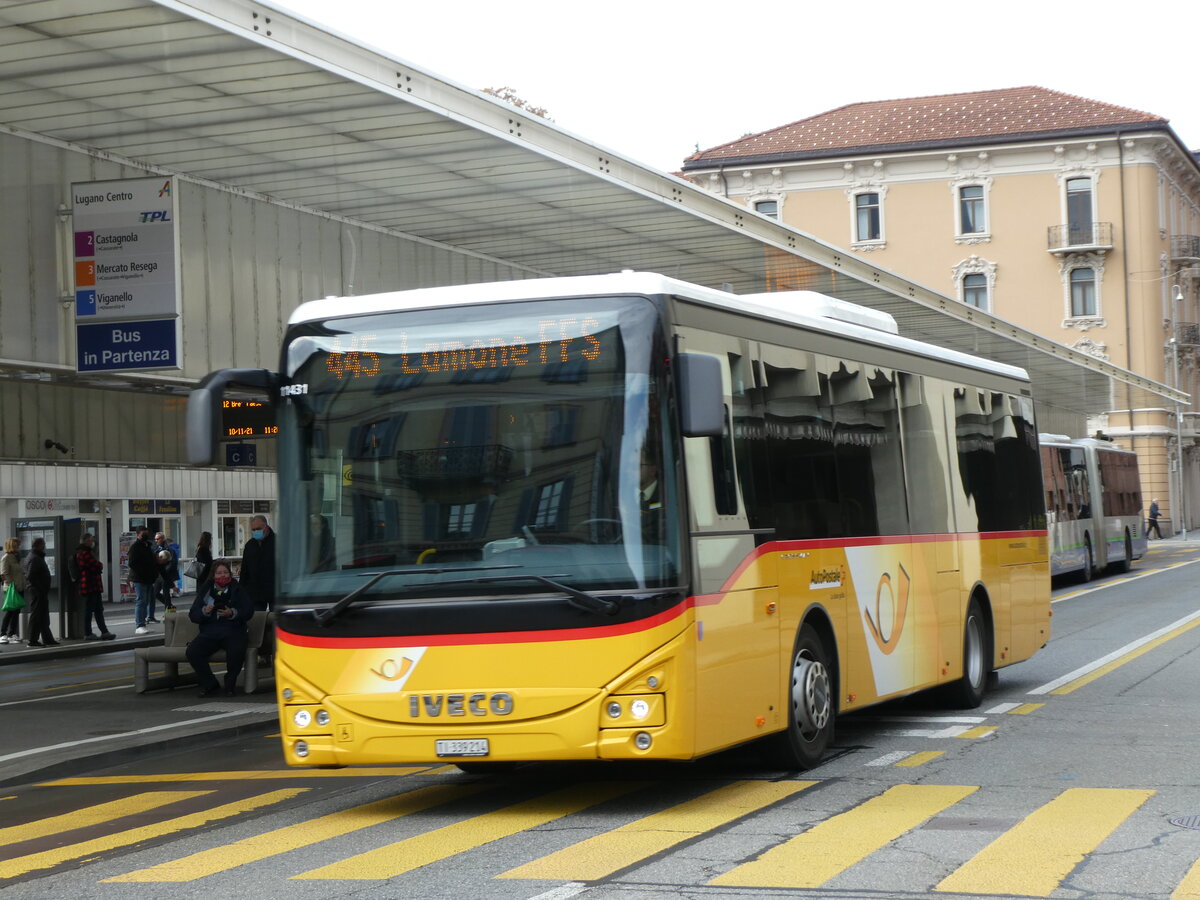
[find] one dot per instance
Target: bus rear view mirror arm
(204, 408)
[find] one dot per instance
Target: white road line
(562, 892)
(113, 737)
(938, 720)
(891, 758)
(117, 687)
(1002, 708)
(1105, 660)
(1119, 581)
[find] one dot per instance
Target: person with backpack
(86, 571)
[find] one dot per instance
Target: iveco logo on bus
(430, 706)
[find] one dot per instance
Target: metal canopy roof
(239, 95)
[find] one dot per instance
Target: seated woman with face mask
(223, 612)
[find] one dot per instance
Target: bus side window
(723, 471)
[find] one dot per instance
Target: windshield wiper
(326, 616)
(577, 598)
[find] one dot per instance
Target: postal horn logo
(390, 670)
(897, 600)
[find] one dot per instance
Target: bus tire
(811, 705)
(1089, 561)
(968, 691)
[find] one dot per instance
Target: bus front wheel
(811, 705)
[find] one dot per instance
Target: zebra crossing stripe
(1032, 858)
(422, 849)
(293, 837)
(23, 865)
(94, 815)
(829, 848)
(600, 856)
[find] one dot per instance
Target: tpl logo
(156, 215)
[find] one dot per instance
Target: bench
(178, 630)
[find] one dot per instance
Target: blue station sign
(127, 345)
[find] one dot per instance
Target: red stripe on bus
(491, 637)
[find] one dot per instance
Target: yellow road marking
(423, 849)
(293, 837)
(1189, 888)
(1025, 709)
(980, 732)
(22, 865)
(919, 759)
(82, 684)
(828, 849)
(94, 815)
(604, 854)
(252, 775)
(1032, 859)
(1121, 660)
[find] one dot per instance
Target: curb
(73, 766)
(27, 654)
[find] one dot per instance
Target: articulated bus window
(925, 440)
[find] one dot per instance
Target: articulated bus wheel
(811, 706)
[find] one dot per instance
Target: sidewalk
(72, 709)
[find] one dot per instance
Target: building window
(867, 217)
(1083, 292)
(548, 508)
(975, 290)
(971, 218)
(1079, 212)
(768, 208)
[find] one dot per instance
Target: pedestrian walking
(167, 560)
(12, 576)
(204, 556)
(1152, 521)
(223, 612)
(37, 595)
(143, 572)
(91, 588)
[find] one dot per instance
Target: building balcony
(1187, 334)
(1096, 237)
(1185, 248)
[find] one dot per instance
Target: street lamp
(1177, 296)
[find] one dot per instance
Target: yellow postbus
(625, 517)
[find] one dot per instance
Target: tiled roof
(947, 118)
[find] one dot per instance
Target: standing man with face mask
(257, 575)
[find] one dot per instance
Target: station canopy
(241, 95)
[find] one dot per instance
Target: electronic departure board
(244, 419)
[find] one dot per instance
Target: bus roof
(807, 309)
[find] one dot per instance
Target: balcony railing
(1185, 247)
(1080, 237)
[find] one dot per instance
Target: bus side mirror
(701, 410)
(204, 409)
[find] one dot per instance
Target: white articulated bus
(1093, 505)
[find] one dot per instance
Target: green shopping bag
(12, 599)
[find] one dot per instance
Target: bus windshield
(472, 448)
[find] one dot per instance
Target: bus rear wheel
(968, 691)
(811, 706)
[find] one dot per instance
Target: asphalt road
(1074, 779)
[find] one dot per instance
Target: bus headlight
(322, 717)
(614, 710)
(301, 748)
(302, 718)
(634, 711)
(639, 709)
(642, 740)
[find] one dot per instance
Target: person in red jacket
(91, 587)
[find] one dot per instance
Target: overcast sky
(652, 81)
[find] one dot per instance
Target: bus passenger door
(738, 690)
